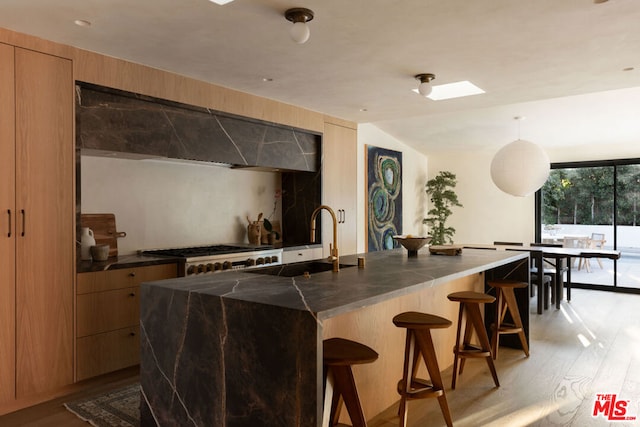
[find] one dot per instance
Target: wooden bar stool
(418, 343)
(463, 349)
(507, 302)
(338, 355)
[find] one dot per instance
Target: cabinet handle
(9, 215)
(132, 294)
(132, 274)
(341, 216)
(132, 334)
(24, 221)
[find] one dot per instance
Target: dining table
(558, 254)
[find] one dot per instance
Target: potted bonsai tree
(443, 198)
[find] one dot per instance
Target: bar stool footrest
(509, 329)
(471, 351)
(420, 389)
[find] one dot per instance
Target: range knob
(260, 261)
(210, 267)
(274, 258)
(202, 268)
(226, 265)
(191, 270)
(250, 262)
(217, 266)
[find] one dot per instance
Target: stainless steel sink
(296, 269)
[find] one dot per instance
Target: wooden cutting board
(104, 230)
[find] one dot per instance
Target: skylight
(453, 90)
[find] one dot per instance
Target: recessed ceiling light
(628, 69)
(267, 79)
(221, 2)
(453, 90)
(82, 23)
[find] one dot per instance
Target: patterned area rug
(119, 407)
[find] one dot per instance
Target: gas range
(216, 258)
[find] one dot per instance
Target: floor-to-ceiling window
(595, 204)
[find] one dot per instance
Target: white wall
(488, 214)
(164, 204)
(414, 177)
(604, 151)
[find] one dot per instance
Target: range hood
(119, 124)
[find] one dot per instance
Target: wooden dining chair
(597, 242)
(579, 243)
(549, 269)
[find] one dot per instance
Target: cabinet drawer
(97, 281)
(108, 352)
(105, 311)
(301, 255)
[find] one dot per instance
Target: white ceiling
(559, 63)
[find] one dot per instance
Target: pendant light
(521, 167)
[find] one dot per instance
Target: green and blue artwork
(384, 184)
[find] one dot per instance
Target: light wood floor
(591, 345)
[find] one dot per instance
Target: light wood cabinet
(7, 226)
(37, 249)
(299, 255)
(339, 178)
(108, 317)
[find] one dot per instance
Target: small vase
(86, 241)
(254, 232)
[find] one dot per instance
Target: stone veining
(123, 122)
(250, 352)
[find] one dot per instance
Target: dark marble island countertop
(238, 348)
(387, 274)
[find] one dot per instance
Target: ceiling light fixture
(520, 167)
(424, 88)
(300, 30)
(220, 2)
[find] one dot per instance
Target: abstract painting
(384, 197)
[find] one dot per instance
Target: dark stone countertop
(123, 261)
(387, 274)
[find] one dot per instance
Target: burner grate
(199, 251)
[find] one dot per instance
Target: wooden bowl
(412, 244)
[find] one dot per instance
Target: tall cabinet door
(339, 183)
(45, 230)
(7, 225)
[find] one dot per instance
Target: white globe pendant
(520, 168)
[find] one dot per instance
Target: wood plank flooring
(589, 346)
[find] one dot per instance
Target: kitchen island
(239, 348)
